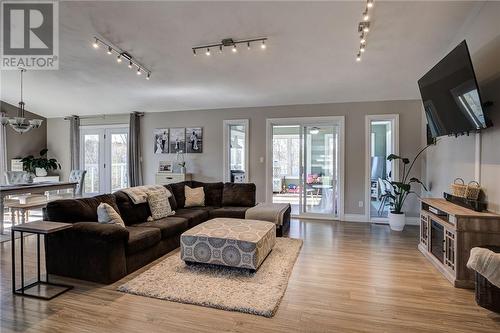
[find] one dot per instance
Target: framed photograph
(160, 138)
(166, 166)
(194, 138)
(177, 140)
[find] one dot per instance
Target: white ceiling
(310, 56)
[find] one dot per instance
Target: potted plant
(40, 165)
(401, 190)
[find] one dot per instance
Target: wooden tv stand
(461, 230)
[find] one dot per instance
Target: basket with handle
(458, 189)
(472, 190)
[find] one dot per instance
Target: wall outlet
(361, 203)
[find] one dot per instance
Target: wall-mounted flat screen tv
(451, 96)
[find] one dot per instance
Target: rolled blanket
(139, 194)
(486, 263)
(267, 212)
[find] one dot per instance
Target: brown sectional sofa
(105, 253)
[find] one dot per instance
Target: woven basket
(458, 189)
(472, 191)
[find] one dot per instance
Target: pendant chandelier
(20, 124)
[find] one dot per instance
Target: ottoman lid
(237, 229)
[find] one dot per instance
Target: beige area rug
(225, 288)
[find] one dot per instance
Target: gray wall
(456, 157)
(208, 166)
(21, 145)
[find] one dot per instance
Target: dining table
(26, 188)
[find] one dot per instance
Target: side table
(38, 289)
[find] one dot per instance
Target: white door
(103, 153)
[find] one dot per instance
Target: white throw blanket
(139, 194)
(267, 212)
(486, 263)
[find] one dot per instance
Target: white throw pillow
(159, 204)
(195, 197)
(107, 214)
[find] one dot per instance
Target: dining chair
(79, 177)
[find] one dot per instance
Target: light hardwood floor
(349, 277)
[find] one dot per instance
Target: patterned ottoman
(229, 242)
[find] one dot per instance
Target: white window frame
(394, 119)
(104, 132)
(304, 121)
(226, 155)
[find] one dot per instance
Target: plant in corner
(40, 165)
(401, 190)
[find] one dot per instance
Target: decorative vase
(182, 170)
(40, 172)
(397, 221)
(28, 177)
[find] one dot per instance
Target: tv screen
(451, 96)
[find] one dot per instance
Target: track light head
(130, 64)
(362, 49)
(366, 17)
(234, 49)
(194, 52)
(110, 50)
(369, 3)
(248, 45)
(95, 44)
(263, 45)
(208, 52)
(366, 28)
(220, 49)
(139, 72)
(358, 57)
(119, 58)
(148, 76)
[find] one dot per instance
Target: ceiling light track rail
(364, 28)
(229, 42)
(122, 56)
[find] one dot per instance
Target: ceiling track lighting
(123, 55)
(364, 29)
(229, 42)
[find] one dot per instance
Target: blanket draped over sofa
(486, 263)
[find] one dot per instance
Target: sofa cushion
(131, 213)
(178, 192)
(239, 195)
(232, 212)
(159, 205)
(108, 215)
(194, 216)
(142, 238)
(77, 210)
(213, 192)
(169, 226)
(195, 197)
(173, 202)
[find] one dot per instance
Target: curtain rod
(102, 116)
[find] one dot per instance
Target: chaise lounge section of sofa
(105, 253)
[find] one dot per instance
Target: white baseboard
(355, 218)
(413, 220)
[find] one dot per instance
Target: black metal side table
(38, 289)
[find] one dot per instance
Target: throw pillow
(195, 197)
(107, 214)
(159, 204)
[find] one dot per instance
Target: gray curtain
(134, 150)
(74, 141)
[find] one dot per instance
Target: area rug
(220, 287)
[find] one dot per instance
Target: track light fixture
(120, 55)
(229, 42)
(364, 28)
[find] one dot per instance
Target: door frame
(303, 121)
(226, 175)
(394, 119)
(104, 152)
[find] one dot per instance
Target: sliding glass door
(103, 153)
(306, 165)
